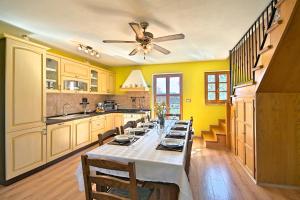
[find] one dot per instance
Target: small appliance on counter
(100, 107)
(109, 105)
(84, 102)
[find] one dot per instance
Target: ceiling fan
(146, 39)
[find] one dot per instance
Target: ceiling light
(88, 50)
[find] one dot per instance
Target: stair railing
(246, 53)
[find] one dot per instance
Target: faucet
(64, 109)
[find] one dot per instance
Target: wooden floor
(214, 175)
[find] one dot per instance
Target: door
(59, 140)
(119, 120)
(81, 133)
(53, 73)
(25, 150)
(168, 89)
(110, 83)
(249, 136)
(110, 121)
(240, 131)
(25, 88)
(94, 81)
(74, 69)
(103, 82)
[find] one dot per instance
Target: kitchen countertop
(93, 114)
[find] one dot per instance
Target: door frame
(178, 74)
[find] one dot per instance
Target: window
(168, 88)
(216, 87)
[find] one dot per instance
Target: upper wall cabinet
(25, 85)
(53, 73)
(94, 81)
(74, 69)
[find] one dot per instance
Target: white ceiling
(211, 27)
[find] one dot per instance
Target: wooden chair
(120, 189)
(188, 156)
(129, 124)
(107, 134)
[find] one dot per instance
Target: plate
(122, 138)
(138, 129)
(179, 126)
(170, 142)
(177, 133)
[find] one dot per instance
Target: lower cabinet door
(59, 140)
(119, 120)
(81, 133)
(25, 150)
(109, 122)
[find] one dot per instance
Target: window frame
(217, 82)
(168, 95)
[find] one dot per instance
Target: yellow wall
(193, 88)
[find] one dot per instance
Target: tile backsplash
(56, 101)
(133, 100)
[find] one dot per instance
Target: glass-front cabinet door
(94, 87)
(75, 85)
(52, 73)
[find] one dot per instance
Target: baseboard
(40, 168)
(279, 186)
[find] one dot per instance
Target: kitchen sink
(69, 116)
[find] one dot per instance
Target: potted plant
(160, 110)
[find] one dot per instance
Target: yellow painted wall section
(193, 88)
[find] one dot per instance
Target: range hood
(135, 82)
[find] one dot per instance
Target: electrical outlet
(188, 100)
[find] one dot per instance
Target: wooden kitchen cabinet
(110, 121)
(53, 83)
(59, 140)
(103, 82)
(74, 69)
(119, 120)
(81, 133)
(25, 150)
(98, 125)
(110, 82)
(94, 81)
(25, 85)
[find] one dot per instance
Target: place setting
(180, 127)
(125, 139)
(171, 144)
(176, 134)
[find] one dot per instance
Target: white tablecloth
(151, 164)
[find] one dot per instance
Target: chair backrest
(129, 124)
(106, 180)
(148, 118)
(188, 156)
(107, 134)
(191, 122)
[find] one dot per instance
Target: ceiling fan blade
(134, 51)
(161, 49)
(169, 37)
(137, 29)
(118, 41)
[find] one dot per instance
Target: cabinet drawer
(98, 124)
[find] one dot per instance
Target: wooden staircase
(216, 136)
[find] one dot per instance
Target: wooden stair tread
(265, 49)
(279, 3)
(274, 26)
(258, 68)
(210, 137)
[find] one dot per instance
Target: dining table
(152, 164)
